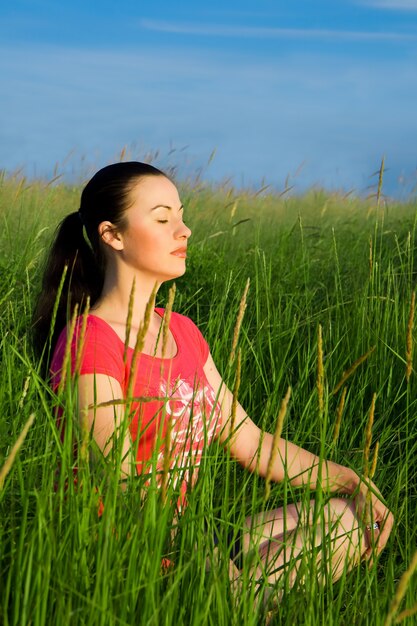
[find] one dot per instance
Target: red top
(181, 391)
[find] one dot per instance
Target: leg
(280, 541)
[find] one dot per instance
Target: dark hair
(77, 245)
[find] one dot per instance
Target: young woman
(127, 237)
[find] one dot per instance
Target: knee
(341, 511)
(344, 523)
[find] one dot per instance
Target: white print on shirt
(195, 416)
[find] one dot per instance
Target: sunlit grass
(344, 265)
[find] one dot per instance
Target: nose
(183, 231)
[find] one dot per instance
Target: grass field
(343, 263)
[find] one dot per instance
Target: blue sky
(314, 90)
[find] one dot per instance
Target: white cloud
(256, 32)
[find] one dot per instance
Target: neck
(116, 296)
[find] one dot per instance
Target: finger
(369, 557)
(373, 533)
(383, 538)
(372, 536)
(371, 552)
(385, 530)
(368, 546)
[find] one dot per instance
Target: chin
(178, 274)
(174, 275)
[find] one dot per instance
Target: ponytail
(84, 277)
(77, 246)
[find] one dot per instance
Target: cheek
(143, 243)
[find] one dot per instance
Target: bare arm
(105, 422)
(252, 449)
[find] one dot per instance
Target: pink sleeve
(203, 345)
(101, 353)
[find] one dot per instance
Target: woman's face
(154, 242)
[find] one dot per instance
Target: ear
(110, 236)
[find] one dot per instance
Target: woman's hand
(376, 517)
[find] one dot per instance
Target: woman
(128, 237)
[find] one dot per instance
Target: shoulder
(94, 346)
(87, 331)
(97, 328)
(179, 321)
(187, 335)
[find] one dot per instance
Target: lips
(180, 252)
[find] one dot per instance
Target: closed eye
(162, 221)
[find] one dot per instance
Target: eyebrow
(165, 206)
